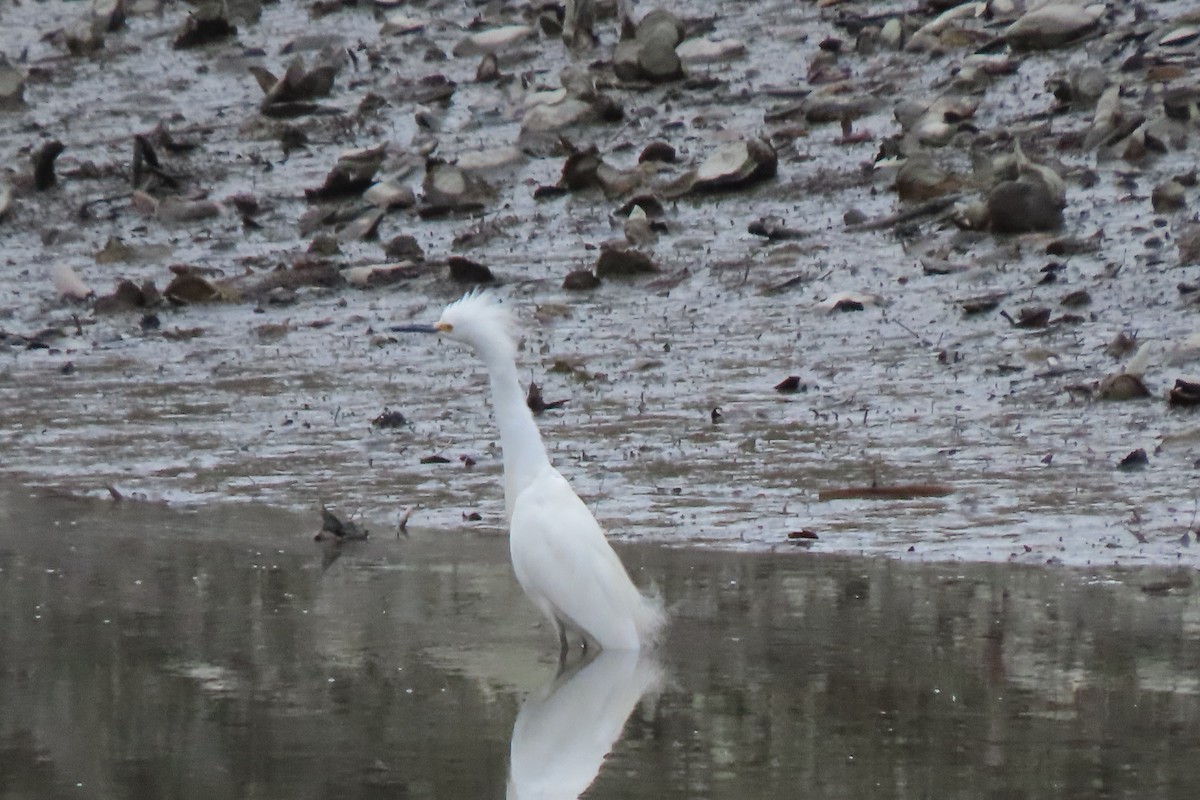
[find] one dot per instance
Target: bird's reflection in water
(566, 728)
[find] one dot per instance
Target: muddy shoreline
(272, 403)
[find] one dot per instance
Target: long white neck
(524, 454)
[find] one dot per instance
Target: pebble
(12, 86)
(389, 194)
(580, 280)
(495, 40)
(618, 261)
(737, 164)
(1022, 206)
(68, 284)
(464, 270)
(1168, 196)
(447, 189)
(1051, 26)
(400, 24)
(707, 51)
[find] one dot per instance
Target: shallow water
(148, 652)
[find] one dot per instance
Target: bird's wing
(561, 554)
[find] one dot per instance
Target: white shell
(707, 51)
(68, 283)
(492, 41)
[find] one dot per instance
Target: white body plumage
(559, 552)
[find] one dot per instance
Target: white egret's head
(478, 319)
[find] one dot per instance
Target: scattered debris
(537, 404)
(904, 491)
(334, 528)
(389, 419)
(1135, 460)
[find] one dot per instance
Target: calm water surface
(154, 653)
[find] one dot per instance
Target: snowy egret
(565, 730)
(559, 553)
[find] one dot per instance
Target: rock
(400, 24)
(546, 117)
(579, 170)
(404, 248)
(128, 296)
(1168, 196)
(625, 60)
(1184, 393)
(658, 62)
(324, 245)
(619, 261)
(658, 35)
(639, 230)
(1135, 460)
(822, 107)
(298, 83)
(935, 123)
(464, 270)
(1081, 87)
(364, 226)
(68, 284)
(1109, 124)
(1022, 206)
(352, 174)
(581, 280)
(618, 182)
(737, 164)
(707, 51)
(1180, 103)
(108, 15)
(891, 35)
(650, 53)
(657, 59)
(775, 229)
(447, 189)
(188, 287)
(660, 23)
(945, 30)
(492, 41)
(43, 164)
(658, 151)
(579, 17)
(82, 37)
(175, 209)
(12, 86)
(1050, 26)
(205, 25)
(921, 179)
(488, 69)
(495, 158)
(851, 301)
(389, 194)
(373, 275)
(1122, 386)
(1188, 242)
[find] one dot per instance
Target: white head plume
(482, 320)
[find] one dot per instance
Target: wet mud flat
(145, 650)
(932, 350)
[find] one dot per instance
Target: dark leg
(563, 646)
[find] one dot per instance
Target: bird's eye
(444, 327)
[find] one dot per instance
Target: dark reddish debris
(1184, 393)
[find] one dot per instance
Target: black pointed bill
(413, 329)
